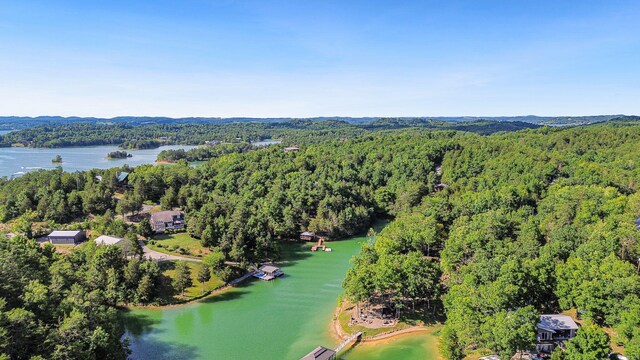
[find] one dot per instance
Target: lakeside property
(238, 322)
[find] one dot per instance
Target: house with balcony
(554, 330)
(164, 220)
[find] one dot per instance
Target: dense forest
(128, 136)
(56, 306)
(530, 222)
(492, 229)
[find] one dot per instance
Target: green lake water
(281, 319)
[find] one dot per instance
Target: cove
(281, 319)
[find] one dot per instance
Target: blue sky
(319, 58)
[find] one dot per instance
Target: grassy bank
(196, 290)
(181, 244)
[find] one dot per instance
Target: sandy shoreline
(339, 335)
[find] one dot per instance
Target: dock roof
(320, 353)
(268, 268)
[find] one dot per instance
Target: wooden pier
(348, 340)
(323, 353)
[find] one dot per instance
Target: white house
(554, 330)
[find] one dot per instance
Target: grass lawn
(64, 248)
(169, 270)
(173, 243)
(407, 320)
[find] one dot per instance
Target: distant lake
(16, 161)
(266, 142)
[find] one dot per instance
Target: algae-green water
(281, 319)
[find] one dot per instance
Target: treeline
(64, 307)
(118, 155)
(530, 222)
(24, 122)
(203, 153)
(295, 131)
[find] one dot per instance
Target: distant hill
(143, 136)
(18, 122)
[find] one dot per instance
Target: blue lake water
(15, 161)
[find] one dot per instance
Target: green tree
(449, 345)
(182, 278)
(204, 275)
(144, 228)
(145, 289)
(508, 332)
(590, 343)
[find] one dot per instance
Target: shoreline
(338, 333)
(213, 292)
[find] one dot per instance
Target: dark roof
(122, 176)
(320, 353)
(165, 216)
(557, 322)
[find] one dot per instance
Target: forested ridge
(526, 222)
(130, 136)
(23, 122)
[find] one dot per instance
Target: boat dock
(267, 272)
(323, 353)
(320, 246)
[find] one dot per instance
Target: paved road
(158, 256)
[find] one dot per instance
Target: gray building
(163, 220)
(67, 237)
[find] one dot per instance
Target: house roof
(268, 268)
(65, 233)
(320, 353)
(165, 216)
(307, 233)
(122, 176)
(107, 240)
(557, 322)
